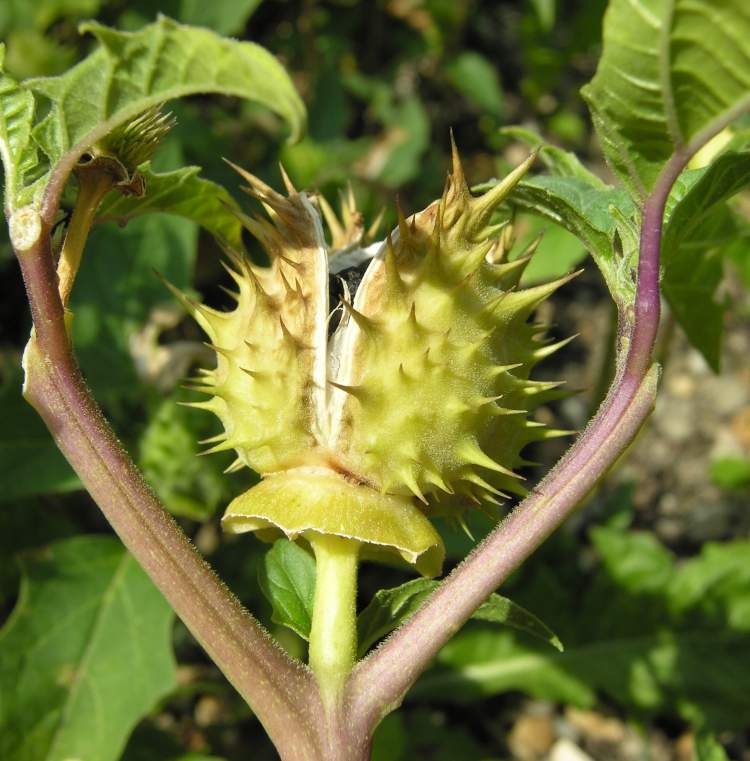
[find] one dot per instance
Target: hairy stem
(281, 692)
(333, 636)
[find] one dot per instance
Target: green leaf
(546, 11)
(16, 150)
(223, 16)
(597, 217)
(187, 485)
(131, 71)
(476, 79)
(559, 162)
(672, 74)
(558, 253)
(184, 194)
(501, 610)
(18, 14)
(25, 525)
(600, 216)
(287, 579)
(698, 228)
(654, 635)
(731, 473)
(116, 290)
(30, 463)
(85, 654)
(708, 748)
(389, 608)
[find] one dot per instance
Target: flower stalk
(333, 635)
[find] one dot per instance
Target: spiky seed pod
(419, 403)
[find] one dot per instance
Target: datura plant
(372, 386)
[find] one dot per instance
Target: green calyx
(303, 503)
(418, 403)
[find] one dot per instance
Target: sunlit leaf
(129, 72)
(672, 74)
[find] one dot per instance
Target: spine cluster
(422, 393)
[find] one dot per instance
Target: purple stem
(282, 692)
(379, 683)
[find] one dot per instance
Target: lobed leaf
(85, 654)
(130, 72)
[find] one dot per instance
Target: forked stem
(333, 635)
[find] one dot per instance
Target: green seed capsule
(417, 404)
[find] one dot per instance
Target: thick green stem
(333, 635)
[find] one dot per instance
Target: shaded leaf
(501, 610)
(697, 229)
(708, 748)
(731, 473)
(184, 194)
(85, 654)
(476, 79)
(672, 73)
(653, 635)
(30, 462)
(116, 289)
(558, 253)
(389, 608)
(287, 578)
(223, 16)
(187, 485)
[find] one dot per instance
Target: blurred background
(648, 585)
